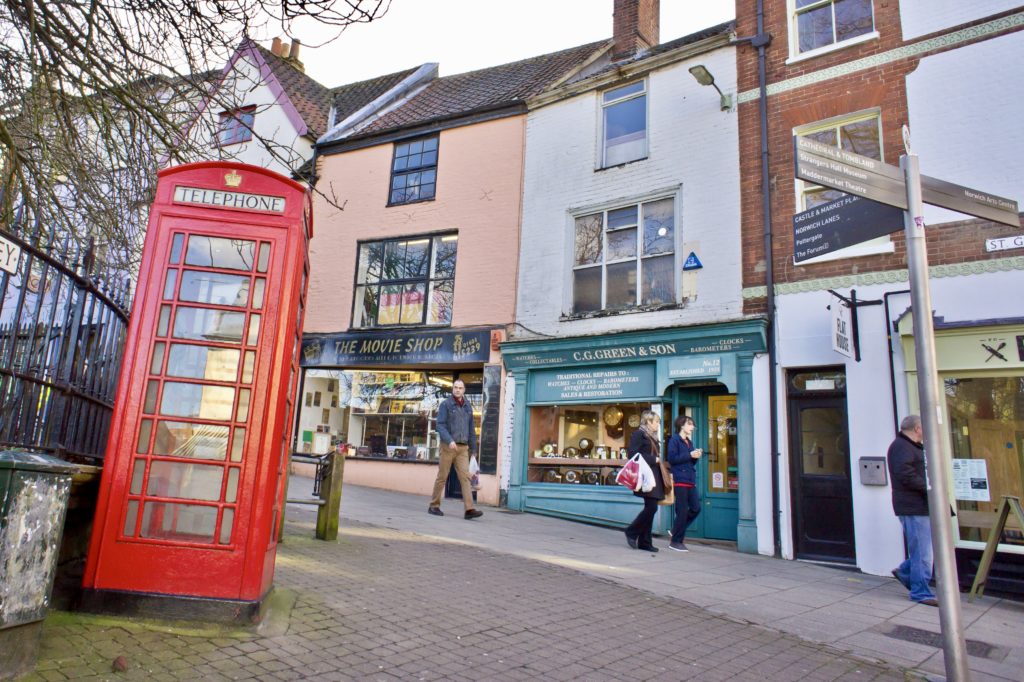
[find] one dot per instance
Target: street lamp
(704, 77)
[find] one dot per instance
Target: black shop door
(820, 466)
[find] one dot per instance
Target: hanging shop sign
(447, 346)
(842, 329)
(621, 382)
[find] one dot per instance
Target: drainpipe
(761, 41)
(892, 362)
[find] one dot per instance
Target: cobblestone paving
(390, 605)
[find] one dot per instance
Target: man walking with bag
(910, 502)
(458, 440)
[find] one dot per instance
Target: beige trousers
(459, 456)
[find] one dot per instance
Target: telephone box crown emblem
(232, 179)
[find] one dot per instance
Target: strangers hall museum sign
(445, 346)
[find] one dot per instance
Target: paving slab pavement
(869, 616)
(389, 604)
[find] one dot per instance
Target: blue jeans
(917, 569)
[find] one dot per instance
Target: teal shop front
(578, 400)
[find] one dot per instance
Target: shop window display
(986, 428)
(382, 414)
(581, 444)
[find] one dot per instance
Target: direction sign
(841, 223)
(970, 201)
(848, 172)
(865, 177)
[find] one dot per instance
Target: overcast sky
(463, 35)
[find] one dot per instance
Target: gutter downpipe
(761, 42)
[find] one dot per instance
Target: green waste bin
(34, 491)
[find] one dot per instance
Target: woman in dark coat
(682, 456)
(647, 441)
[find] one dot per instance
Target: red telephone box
(193, 482)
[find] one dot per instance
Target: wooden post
(1009, 503)
(330, 493)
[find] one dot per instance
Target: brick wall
(883, 87)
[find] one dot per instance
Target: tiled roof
(473, 91)
(350, 98)
(311, 100)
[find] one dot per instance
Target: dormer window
(235, 126)
(624, 117)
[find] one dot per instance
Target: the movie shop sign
(396, 348)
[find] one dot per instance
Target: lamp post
(704, 77)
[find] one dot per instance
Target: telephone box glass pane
(264, 257)
(236, 444)
(137, 473)
(145, 428)
(152, 386)
(194, 441)
(231, 494)
(217, 252)
(247, 368)
(257, 292)
(130, 517)
(158, 358)
(254, 330)
(217, 288)
(203, 324)
(226, 522)
(165, 316)
(176, 248)
(187, 481)
(183, 522)
(197, 400)
(169, 282)
(202, 362)
(242, 414)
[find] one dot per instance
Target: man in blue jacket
(458, 441)
(910, 502)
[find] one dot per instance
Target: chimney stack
(293, 54)
(636, 27)
(275, 47)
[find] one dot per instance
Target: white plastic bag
(647, 480)
(474, 473)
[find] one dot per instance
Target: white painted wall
(921, 17)
(965, 117)
(244, 87)
(693, 152)
(804, 341)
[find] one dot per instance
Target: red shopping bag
(629, 475)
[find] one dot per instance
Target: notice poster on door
(718, 480)
(970, 480)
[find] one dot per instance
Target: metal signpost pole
(953, 645)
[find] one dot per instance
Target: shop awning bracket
(853, 303)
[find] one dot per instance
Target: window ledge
(400, 328)
(621, 311)
(855, 251)
(397, 460)
(834, 47)
(620, 165)
(222, 145)
(406, 203)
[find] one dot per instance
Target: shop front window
(581, 444)
(385, 414)
(986, 428)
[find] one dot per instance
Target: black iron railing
(62, 331)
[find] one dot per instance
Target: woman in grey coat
(647, 441)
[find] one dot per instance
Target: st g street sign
(871, 179)
(10, 253)
(841, 223)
